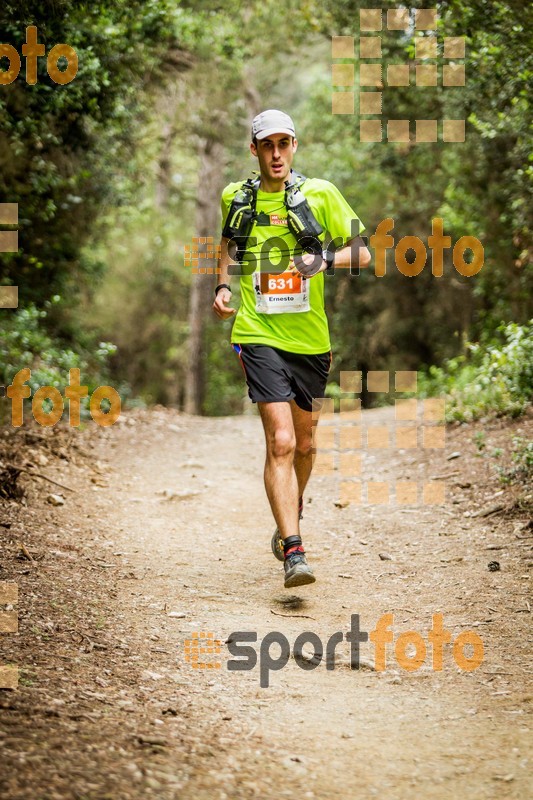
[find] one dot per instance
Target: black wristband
(329, 258)
(222, 286)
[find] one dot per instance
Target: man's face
(275, 154)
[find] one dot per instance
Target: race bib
(287, 293)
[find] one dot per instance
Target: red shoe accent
(296, 549)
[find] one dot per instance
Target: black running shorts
(275, 375)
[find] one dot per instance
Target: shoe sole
(299, 579)
(276, 544)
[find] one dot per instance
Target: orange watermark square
(9, 243)
(202, 644)
(324, 437)
(202, 248)
(9, 595)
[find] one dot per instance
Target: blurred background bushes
(115, 173)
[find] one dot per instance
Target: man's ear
(294, 145)
(253, 149)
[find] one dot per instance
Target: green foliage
(62, 147)
(521, 470)
(26, 344)
(479, 440)
(226, 388)
(65, 158)
(495, 377)
(481, 187)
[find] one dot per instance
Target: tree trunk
(168, 111)
(210, 185)
(164, 168)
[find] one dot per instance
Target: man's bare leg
(281, 482)
(282, 489)
(303, 455)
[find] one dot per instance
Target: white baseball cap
(272, 121)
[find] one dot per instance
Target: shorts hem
(274, 399)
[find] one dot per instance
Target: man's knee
(281, 443)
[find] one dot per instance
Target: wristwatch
(222, 286)
(329, 258)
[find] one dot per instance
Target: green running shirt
(305, 332)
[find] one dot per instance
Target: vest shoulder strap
(301, 221)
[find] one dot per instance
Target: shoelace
(295, 554)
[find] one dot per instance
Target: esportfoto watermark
(32, 50)
(274, 257)
(409, 649)
(17, 391)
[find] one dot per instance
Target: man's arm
(223, 297)
(354, 254)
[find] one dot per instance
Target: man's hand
(220, 306)
(308, 264)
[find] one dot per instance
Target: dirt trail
(181, 521)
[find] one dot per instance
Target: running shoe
(297, 570)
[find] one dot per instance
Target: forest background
(117, 171)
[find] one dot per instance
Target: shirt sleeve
(225, 201)
(224, 208)
(339, 218)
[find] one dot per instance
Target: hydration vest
(301, 221)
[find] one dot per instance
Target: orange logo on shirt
(275, 219)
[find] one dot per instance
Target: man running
(281, 331)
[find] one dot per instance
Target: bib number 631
(281, 283)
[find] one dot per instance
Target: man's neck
(270, 186)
